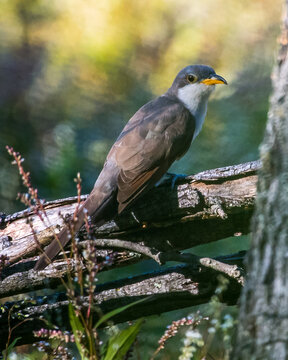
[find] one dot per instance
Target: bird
(159, 133)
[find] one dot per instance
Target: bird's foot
(173, 178)
(2, 220)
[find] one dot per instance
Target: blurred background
(73, 72)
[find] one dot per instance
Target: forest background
(73, 72)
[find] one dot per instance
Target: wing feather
(159, 133)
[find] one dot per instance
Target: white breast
(195, 98)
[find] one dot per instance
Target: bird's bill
(215, 79)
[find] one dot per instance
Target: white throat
(195, 99)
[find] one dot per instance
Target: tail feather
(53, 249)
(101, 207)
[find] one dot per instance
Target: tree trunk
(263, 321)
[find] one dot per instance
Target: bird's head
(195, 83)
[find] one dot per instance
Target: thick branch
(205, 207)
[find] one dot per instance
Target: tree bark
(164, 290)
(263, 322)
(202, 208)
(210, 206)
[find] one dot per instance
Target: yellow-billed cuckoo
(159, 133)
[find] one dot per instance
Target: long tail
(99, 205)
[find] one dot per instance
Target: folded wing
(158, 134)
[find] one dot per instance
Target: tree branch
(205, 207)
(202, 208)
(165, 290)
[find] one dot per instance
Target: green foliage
(10, 348)
(117, 346)
(78, 331)
(120, 344)
(115, 312)
(64, 99)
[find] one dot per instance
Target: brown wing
(158, 134)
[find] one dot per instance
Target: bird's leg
(173, 178)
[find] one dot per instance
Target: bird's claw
(175, 178)
(170, 178)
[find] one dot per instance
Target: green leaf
(112, 313)
(7, 352)
(77, 329)
(119, 344)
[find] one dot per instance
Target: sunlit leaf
(119, 344)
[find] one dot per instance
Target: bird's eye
(191, 78)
